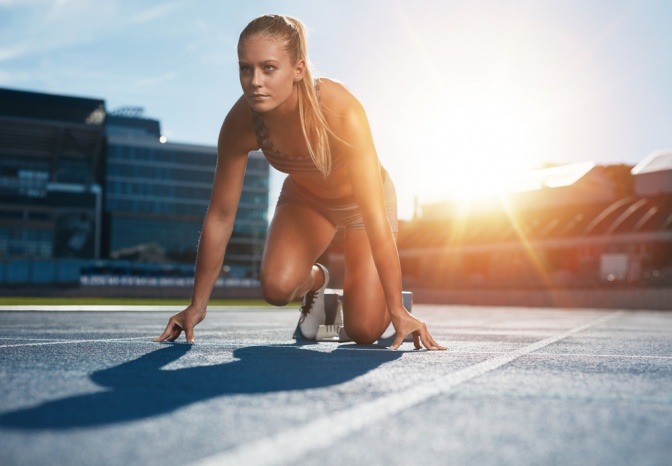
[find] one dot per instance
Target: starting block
(333, 329)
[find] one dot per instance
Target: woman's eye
(269, 68)
(244, 69)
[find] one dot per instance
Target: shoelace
(308, 302)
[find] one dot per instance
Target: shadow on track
(140, 389)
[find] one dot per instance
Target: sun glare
(482, 145)
(492, 100)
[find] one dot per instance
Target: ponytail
(313, 124)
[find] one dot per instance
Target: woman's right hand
(405, 324)
(185, 320)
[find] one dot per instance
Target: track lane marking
(68, 342)
(294, 443)
(124, 308)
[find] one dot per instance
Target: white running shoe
(312, 311)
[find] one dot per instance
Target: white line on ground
(69, 342)
(89, 308)
(591, 355)
(28, 339)
(291, 444)
(120, 308)
(542, 354)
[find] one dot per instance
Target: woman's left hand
(405, 323)
(185, 320)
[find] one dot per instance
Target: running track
(86, 386)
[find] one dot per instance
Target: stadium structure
(570, 235)
(84, 189)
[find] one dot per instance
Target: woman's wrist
(398, 311)
(199, 305)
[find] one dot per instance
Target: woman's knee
(363, 335)
(278, 289)
(274, 292)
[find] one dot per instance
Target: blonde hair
(292, 33)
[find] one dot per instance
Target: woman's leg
(364, 306)
(298, 235)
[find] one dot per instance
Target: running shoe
(312, 311)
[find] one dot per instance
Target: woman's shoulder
(238, 127)
(240, 113)
(336, 97)
(329, 84)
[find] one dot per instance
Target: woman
(318, 133)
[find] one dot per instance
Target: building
(51, 172)
(78, 182)
(653, 175)
(563, 235)
(157, 193)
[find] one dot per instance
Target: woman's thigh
(364, 305)
(296, 238)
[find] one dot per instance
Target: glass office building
(51, 151)
(79, 182)
(157, 193)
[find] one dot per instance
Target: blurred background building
(96, 198)
(576, 227)
(82, 189)
(583, 226)
(157, 193)
(51, 173)
(575, 235)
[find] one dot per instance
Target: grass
(28, 300)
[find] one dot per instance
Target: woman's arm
(233, 147)
(356, 143)
(218, 223)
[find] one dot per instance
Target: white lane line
(28, 339)
(122, 308)
(571, 355)
(293, 443)
(607, 356)
(89, 308)
(69, 342)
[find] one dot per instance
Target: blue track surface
(516, 386)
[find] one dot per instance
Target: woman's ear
(299, 71)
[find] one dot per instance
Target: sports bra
(287, 163)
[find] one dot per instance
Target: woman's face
(267, 74)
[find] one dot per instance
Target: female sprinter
(317, 133)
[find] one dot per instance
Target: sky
(459, 94)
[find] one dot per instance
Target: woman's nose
(257, 78)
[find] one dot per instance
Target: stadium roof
(553, 177)
(626, 216)
(656, 162)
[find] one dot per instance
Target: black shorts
(343, 213)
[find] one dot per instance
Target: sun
(489, 102)
(482, 144)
